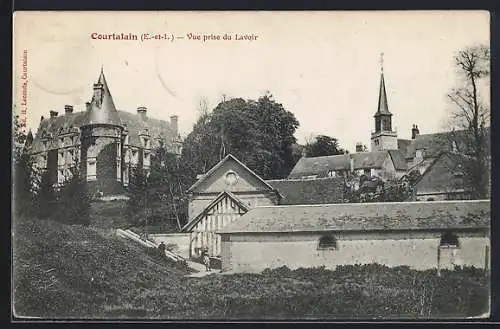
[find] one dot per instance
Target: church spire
(383, 107)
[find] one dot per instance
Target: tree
(471, 115)
(323, 146)
(137, 198)
(18, 138)
(74, 202)
(22, 169)
(45, 198)
(23, 181)
(260, 133)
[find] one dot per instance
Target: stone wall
(255, 252)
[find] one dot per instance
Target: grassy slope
(72, 271)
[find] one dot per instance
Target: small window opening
(449, 240)
(327, 242)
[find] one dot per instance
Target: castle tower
(101, 136)
(383, 138)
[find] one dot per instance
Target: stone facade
(421, 235)
(419, 250)
(103, 142)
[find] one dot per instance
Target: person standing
(206, 260)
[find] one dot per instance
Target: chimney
(141, 110)
(53, 114)
(351, 164)
(359, 147)
(68, 109)
(414, 132)
(87, 106)
(41, 118)
(174, 123)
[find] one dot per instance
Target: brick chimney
(68, 109)
(87, 106)
(414, 132)
(41, 118)
(142, 111)
(359, 147)
(174, 123)
(53, 114)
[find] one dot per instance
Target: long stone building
(103, 141)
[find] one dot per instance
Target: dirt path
(201, 271)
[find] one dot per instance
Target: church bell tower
(383, 138)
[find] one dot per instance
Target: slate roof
(320, 166)
(309, 191)
(103, 110)
(383, 107)
(434, 215)
(68, 122)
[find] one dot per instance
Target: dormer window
(332, 173)
(454, 147)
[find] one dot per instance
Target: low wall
(181, 240)
(254, 253)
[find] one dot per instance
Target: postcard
(263, 165)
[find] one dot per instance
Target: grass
(66, 271)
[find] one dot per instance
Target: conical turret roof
(102, 109)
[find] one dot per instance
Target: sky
(322, 66)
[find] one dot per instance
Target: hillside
(73, 271)
(66, 271)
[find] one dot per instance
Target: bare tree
(471, 116)
(203, 107)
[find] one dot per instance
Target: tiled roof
(403, 145)
(321, 165)
(398, 158)
(54, 126)
(309, 191)
(434, 144)
(369, 160)
(364, 216)
(444, 174)
(156, 128)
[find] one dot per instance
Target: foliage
(18, 139)
(158, 197)
(45, 198)
(23, 184)
(74, 271)
(259, 133)
(74, 202)
(471, 115)
(374, 189)
(323, 146)
(137, 196)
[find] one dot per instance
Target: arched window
(327, 242)
(449, 240)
